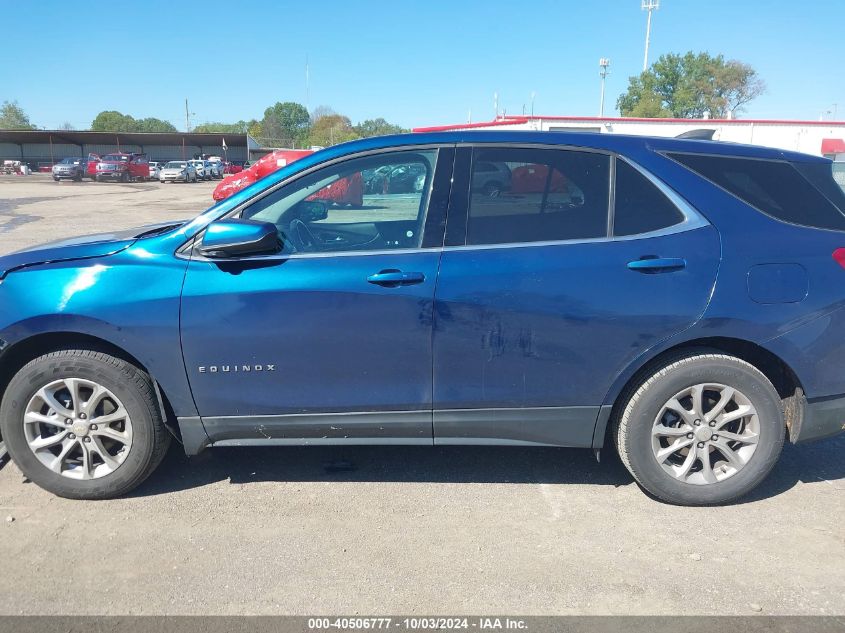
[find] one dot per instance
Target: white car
(200, 167)
(177, 170)
(155, 169)
(217, 167)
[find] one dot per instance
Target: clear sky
(420, 62)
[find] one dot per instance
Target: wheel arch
(778, 371)
(15, 356)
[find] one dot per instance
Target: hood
(85, 247)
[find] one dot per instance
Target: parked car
(155, 169)
(70, 169)
(491, 178)
(251, 172)
(232, 168)
(93, 161)
(686, 309)
(124, 167)
(202, 169)
(178, 170)
(217, 167)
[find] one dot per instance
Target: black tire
(644, 401)
(131, 385)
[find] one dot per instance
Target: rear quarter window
(777, 188)
(640, 206)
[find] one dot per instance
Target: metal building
(39, 148)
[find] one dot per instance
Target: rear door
(551, 286)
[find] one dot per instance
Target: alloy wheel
(78, 428)
(705, 433)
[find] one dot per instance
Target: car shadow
(812, 463)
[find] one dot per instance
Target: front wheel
(703, 429)
(83, 424)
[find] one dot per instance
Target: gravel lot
(399, 530)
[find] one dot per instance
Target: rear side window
(640, 206)
(537, 195)
(776, 188)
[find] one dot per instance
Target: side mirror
(239, 238)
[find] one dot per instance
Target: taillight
(839, 256)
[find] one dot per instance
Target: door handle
(657, 264)
(395, 278)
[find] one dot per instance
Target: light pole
(650, 6)
(604, 64)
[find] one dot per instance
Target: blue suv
(681, 300)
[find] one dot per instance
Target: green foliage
(226, 128)
(378, 127)
(151, 124)
(691, 86)
(12, 117)
(114, 121)
(331, 130)
(288, 123)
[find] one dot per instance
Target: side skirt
(538, 426)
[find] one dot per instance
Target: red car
(347, 191)
(91, 171)
(238, 180)
(123, 167)
(232, 168)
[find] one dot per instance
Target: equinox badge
(234, 369)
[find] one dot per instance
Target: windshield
(70, 161)
(174, 165)
(117, 158)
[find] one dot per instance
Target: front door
(550, 290)
(331, 339)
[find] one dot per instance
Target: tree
(691, 86)
(320, 111)
(226, 128)
(378, 127)
(12, 117)
(332, 129)
(286, 123)
(114, 121)
(67, 125)
(151, 124)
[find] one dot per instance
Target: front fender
(130, 300)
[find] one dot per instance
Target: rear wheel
(704, 429)
(83, 424)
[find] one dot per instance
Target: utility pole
(604, 64)
(650, 6)
(533, 94)
(495, 106)
(307, 85)
(187, 117)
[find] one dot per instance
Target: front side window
(537, 195)
(371, 203)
